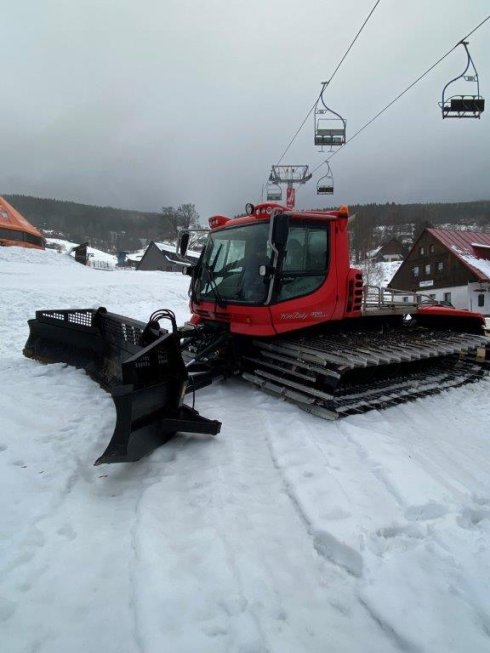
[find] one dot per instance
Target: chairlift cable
(298, 130)
(355, 39)
(402, 93)
(326, 83)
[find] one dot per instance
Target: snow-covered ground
(379, 274)
(284, 534)
(96, 257)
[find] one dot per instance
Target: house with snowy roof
(391, 250)
(449, 266)
(162, 256)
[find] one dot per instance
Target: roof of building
(168, 252)
(467, 246)
(10, 218)
(165, 248)
(372, 252)
(169, 248)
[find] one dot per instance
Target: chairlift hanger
(329, 125)
(325, 184)
(463, 106)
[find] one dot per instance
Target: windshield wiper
(212, 284)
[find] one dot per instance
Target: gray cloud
(170, 101)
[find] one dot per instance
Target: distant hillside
(376, 223)
(111, 229)
(103, 226)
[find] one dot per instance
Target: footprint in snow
(471, 517)
(425, 512)
(400, 531)
(67, 531)
(7, 608)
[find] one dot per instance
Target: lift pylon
(291, 176)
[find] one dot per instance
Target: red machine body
(340, 296)
(333, 300)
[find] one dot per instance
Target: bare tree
(187, 216)
(184, 216)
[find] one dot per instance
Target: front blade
(146, 383)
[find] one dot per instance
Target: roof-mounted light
(218, 221)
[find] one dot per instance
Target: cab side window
(305, 262)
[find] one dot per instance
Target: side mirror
(184, 243)
(280, 230)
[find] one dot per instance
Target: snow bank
(284, 534)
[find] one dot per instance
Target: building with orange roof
(16, 230)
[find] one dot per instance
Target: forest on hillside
(375, 224)
(103, 226)
(113, 229)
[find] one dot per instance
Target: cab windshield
(229, 271)
(230, 265)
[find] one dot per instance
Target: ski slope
(284, 534)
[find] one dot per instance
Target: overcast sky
(160, 102)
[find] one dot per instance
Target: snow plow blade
(147, 380)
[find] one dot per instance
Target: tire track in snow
(423, 546)
(224, 500)
(325, 479)
(149, 470)
(344, 535)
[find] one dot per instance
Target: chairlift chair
(325, 184)
(463, 106)
(273, 192)
(329, 125)
(323, 188)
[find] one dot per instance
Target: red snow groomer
(274, 299)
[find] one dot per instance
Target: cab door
(306, 292)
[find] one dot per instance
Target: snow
(97, 258)
(67, 246)
(379, 274)
(480, 264)
(284, 534)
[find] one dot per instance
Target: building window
(447, 297)
(431, 249)
(419, 299)
(481, 300)
(432, 295)
(415, 271)
(405, 299)
(440, 266)
(427, 268)
(421, 251)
